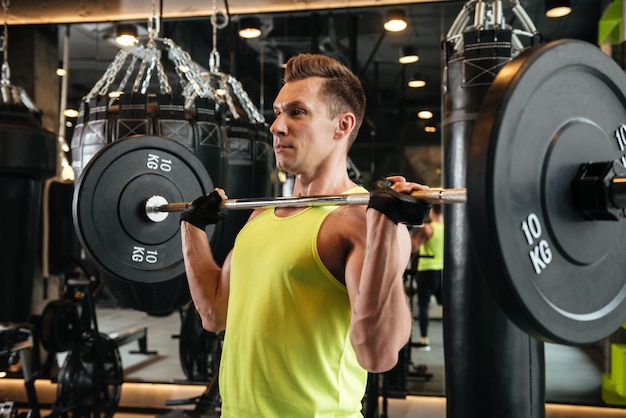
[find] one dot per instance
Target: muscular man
(311, 298)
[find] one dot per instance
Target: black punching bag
(28, 155)
(493, 369)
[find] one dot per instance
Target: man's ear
(345, 125)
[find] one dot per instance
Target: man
(427, 244)
(311, 298)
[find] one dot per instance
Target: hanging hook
(154, 22)
(219, 20)
(4, 46)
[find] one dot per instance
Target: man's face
(302, 131)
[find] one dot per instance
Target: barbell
(545, 196)
(157, 207)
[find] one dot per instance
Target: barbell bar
(157, 206)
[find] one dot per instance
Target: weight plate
(559, 277)
(109, 206)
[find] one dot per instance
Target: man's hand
(398, 206)
(204, 211)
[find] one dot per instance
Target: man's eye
(298, 111)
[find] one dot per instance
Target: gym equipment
(145, 261)
(157, 207)
(90, 379)
(16, 344)
(522, 199)
(28, 156)
(135, 96)
(555, 272)
(481, 337)
(60, 325)
(207, 112)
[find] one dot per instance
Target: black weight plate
(559, 277)
(109, 206)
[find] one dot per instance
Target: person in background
(427, 245)
(310, 298)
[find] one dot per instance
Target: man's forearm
(381, 322)
(203, 276)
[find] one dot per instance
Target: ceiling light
(425, 114)
(125, 34)
(416, 81)
(408, 55)
(61, 72)
(70, 113)
(395, 20)
(249, 28)
(430, 129)
(558, 8)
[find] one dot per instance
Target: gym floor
(573, 375)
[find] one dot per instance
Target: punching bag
(192, 123)
(250, 163)
(208, 113)
(28, 156)
(118, 107)
(493, 369)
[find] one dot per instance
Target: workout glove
(204, 211)
(399, 207)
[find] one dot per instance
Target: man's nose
(277, 127)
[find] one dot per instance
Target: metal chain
(253, 114)
(193, 81)
(102, 85)
(164, 83)
(141, 72)
(214, 56)
(154, 22)
(154, 57)
(227, 83)
(127, 75)
(4, 46)
(188, 71)
(223, 83)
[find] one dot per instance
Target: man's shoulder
(347, 221)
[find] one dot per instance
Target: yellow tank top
(431, 252)
(287, 351)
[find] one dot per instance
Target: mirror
(392, 139)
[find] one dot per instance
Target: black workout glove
(204, 211)
(399, 207)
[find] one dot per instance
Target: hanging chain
(146, 65)
(4, 45)
(214, 56)
(154, 22)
